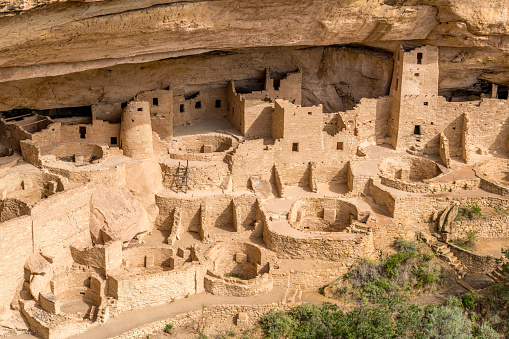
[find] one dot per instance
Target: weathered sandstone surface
(59, 53)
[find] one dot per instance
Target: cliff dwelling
(170, 169)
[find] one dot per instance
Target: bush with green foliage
(470, 211)
(168, 328)
(391, 319)
(471, 237)
(374, 281)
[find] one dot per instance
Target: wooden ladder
(182, 175)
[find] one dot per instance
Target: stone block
(300, 216)
(79, 159)
(403, 174)
(208, 149)
(329, 214)
(243, 320)
(176, 262)
(52, 186)
(50, 303)
(149, 260)
(240, 257)
(183, 253)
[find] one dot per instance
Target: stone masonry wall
(144, 290)
(15, 247)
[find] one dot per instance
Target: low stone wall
(326, 246)
(111, 177)
(135, 255)
(316, 206)
(493, 186)
(236, 287)
(134, 291)
(408, 168)
(382, 197)
(486, 169)
(228, 313)
(307, 280)
(493, 227)
(430, 186)
(199, 177)
(219, 209)
(474, 262)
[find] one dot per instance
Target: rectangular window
(419, 58)
(155, 101)
(197, 104)
(425, 103)
(295, 147)
(82, 131)
(140, 109)
(340, 145)
(113, 140)
(416, 74)
(417, 130)
(218, 103)
(310, 113)
(182, 108)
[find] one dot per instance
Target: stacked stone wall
(15, 247)
(227, 313)
(475, 263)
(144, 290)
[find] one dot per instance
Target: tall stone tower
(136, 131)
(414, 92)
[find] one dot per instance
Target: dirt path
(133, 319)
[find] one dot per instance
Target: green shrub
(469, 300)
(471, 237)
(487, 332)
(168, 328)
(404, 245)
(446, 322)
(277, 324)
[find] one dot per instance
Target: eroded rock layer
(59, 53)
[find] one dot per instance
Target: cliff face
(65, 53)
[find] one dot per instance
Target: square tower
(414, 91)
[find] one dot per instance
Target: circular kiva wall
(237, 269)
(322, 214)
(205, 143)
(408, 173)
(494, 175)
(70, 151)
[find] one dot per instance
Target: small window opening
(417, 129)
(155, 101)
(113, 140)
(197, 104)
(218, 103)
(295, 147)
(419, 58)
(416, 74)
(425, 103)
(132, 120)
(82, 131)
(140, 109)
(432, 123)
(340, 145)
(397, 83)
(182, 108)
(310, 113)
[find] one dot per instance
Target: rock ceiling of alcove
(46, 46)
